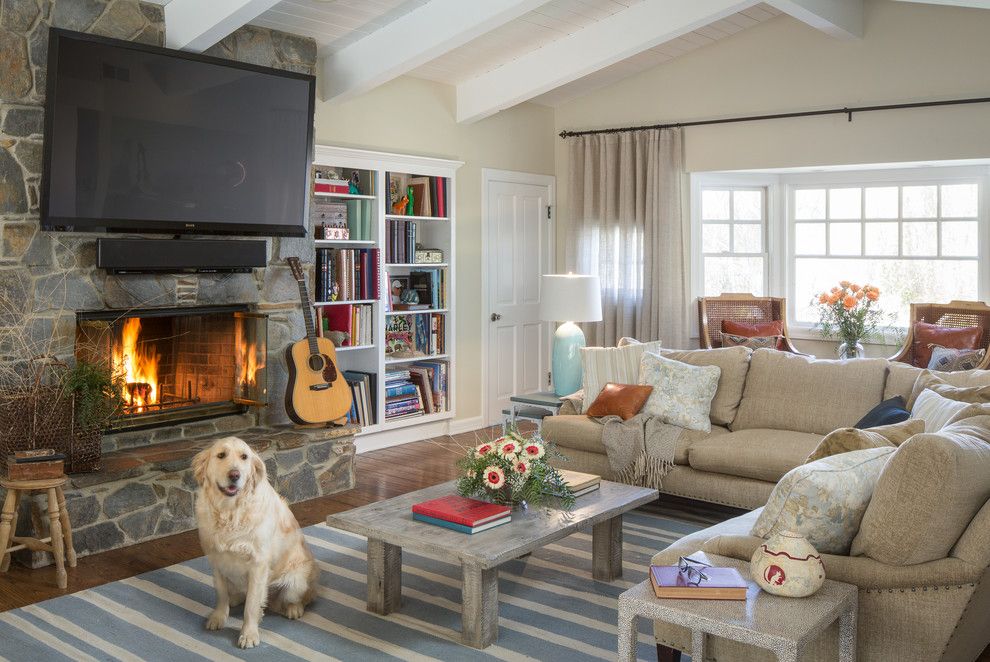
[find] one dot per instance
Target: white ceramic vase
(787, 564)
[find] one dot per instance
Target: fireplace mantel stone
(148, 491)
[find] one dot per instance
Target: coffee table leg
(627, 634)
(384, 576)
(697, 645)
(847, 635)
(479, 612)
(606, 549)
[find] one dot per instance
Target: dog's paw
(216, 620)
(249, 638)
(292, 612)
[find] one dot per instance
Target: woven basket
(44, 417)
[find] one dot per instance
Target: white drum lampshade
(569, 298)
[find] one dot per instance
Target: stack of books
(402, 397)
(718, 584)
(579, 483)
(363, 393)
(436, 376)
(462, 514)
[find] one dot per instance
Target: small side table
(781, 625)
(60, 541)
(533, 407)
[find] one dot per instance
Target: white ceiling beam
(842, 19)
(195, 25)
(414, 39)
(601, 44)
(975, 4)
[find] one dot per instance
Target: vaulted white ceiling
(497, 52)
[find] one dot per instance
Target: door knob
(496, 317)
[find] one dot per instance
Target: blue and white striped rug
(549, 608)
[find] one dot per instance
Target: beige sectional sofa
(770, 412)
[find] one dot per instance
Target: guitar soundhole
(317, 362)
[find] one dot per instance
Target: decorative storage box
(429, 256)
(335, 233)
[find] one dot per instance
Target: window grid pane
(732, 237)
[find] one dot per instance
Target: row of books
(347, 274)
(356, 320)
(400, 242)
(429, 194)
(364, 391)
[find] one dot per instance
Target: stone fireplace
(179, 364)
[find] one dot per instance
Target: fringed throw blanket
(640, 450)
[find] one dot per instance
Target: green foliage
(540, 482)
(96, 391)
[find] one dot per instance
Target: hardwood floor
(381, 474)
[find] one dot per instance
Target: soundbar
(142, 256)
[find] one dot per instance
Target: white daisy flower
(494, 477)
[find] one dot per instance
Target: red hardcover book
(461, 510)
(720, 584)
(339, 318)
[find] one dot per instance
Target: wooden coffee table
(389, 527)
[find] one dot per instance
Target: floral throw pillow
(752, 342)
(947, 359)
(682, 393)
(824, 500)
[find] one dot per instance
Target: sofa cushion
(845, 440)
(966, 379)
(585, 434)
(935, 410)
(682, 393)
(622, 400)
(948, 359)
(888, 412)
(619, 365)
(734, 364)
(927, 494)
(824, 500)
(761, 454)
(790, 392)
(900, 380)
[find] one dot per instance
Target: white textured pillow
(619, 365)
(682, 393)
(935, 410)
(824, 500)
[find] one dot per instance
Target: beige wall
(413, 116)
(910, 52)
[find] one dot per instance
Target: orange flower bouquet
(849, 313)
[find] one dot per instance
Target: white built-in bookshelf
(377, 228)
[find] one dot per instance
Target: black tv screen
(145, 139)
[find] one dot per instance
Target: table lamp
(569, 298)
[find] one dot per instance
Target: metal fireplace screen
(180, 364)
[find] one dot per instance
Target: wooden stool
(59, 543)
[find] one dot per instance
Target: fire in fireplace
(179, 364)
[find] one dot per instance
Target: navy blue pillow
(886, 413)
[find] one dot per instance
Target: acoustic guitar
(317, 392)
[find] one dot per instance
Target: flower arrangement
(513, 470)
(850, 313)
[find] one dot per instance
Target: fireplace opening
(179, 364)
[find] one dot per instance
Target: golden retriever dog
(251, 538)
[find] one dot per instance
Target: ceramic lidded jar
(787, 564)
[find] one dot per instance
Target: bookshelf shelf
(344, 196)
(341, 303)
(402, 217)
(366, 366)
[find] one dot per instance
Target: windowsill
(809, 333)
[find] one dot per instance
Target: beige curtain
(627, 226)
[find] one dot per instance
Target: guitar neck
(308, 318)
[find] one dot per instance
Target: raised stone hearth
(147, 492)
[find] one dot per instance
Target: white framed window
(918, 233)
(732, 234)
(917, 241)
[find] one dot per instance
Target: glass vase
(852, 350)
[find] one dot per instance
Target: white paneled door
(518, 227)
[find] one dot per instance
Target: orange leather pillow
(624, 400)
(756, 330)
(926, 335)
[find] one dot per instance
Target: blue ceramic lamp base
(566, 360)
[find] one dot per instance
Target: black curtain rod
(848, 112)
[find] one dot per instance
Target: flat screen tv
(145, 139)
